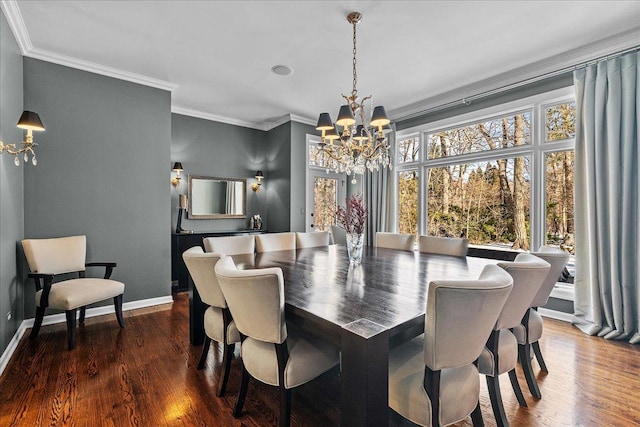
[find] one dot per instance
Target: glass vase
(354, 247)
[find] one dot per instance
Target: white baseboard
(61, 318)
(558, 315)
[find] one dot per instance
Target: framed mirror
(213, 197)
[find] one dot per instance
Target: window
(502, 177)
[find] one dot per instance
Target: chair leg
(242, 394)
(476, 416)
(227, 355)
(37, 323)
(493, 385)
(71, 328)
(524, 354)
(516, 388)
(538, 353)
(117, 304)
(83, 311)
(205, 352)
(285, 407)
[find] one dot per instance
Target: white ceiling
(217, 56)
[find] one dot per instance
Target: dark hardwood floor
(145, 375)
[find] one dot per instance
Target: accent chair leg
(242, 394)
(476, 416)
(117, 304)
(285, 406)
(493, 385)
(227, 355)
(83, 311)
(71, 328)
(538, 353)
(524, 354)
(516, 388)
(205, 352)
(37, 323)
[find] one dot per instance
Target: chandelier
(358, 145)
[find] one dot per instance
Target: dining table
(364, 309)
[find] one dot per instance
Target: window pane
(508, 131)
(560, 121)
(559, 199)
(408, 150)
(325, 199)
(408, 202)
(487, 202)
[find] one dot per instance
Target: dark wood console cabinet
(180, 242)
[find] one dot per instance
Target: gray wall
(11, 186)
(205, 147)
(277, 155)
(102, 171)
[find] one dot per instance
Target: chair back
(395, 241)
(56, 256)
(201, 269)
(275, 242)
(339, 235)
(313, 239)
(460, 317)
(230, 245)
(456, 246)
(528, 272)
(557, 259)
(255, 299)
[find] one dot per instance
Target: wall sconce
(256, 185)
(177, 168)
(29, 121)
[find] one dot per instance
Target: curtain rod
(467, 100)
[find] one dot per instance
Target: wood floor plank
(145, 375)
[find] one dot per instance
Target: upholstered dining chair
(275, 242)
(230, 245)
(272, 352)
(456, 246)
(403, 242)
(529, 332)
(339, 235)
(500, 354)
(50, 257)
(433, 380)
(218, 323)
(313, 239)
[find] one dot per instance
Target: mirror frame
(190, 215)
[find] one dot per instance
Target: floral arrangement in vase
(353, 218)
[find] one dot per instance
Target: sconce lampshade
(30, 121)
(259, 175)
(345, 116)
(379, 117)
(324, 122)
(177, 166)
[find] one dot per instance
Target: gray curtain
(607, 301)
(377, 188)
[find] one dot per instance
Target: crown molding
(216, 118)
(565, 61)
(16, 23)
(268, 125)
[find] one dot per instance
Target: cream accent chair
(271, 352)
(313, 239)
(500, 355)
(48, 257)
(339, 235)
(528, 333)
(403, 242)
(230, 245)
(456, 246)
(275, 242)
(432, 379)
(218, 323)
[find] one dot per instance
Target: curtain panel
(607, 155)
(378, 197)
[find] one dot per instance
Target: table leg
(365, 375)
(196, 315)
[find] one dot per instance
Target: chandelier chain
(355, 73)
